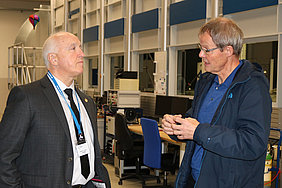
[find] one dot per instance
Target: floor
(132, 183)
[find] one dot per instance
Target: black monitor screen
(171, 105)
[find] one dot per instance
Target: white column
(101, 47)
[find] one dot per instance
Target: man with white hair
(48, 133)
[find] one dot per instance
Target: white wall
(10, 23)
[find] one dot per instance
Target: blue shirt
(206, 114)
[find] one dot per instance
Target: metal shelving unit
(22, 64)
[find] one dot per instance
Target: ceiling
(22, 5)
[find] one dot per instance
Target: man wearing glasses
(227, 127)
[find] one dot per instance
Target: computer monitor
(171, 105)
(163, 105)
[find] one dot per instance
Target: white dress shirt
(78, 178)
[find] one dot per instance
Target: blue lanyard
(62, 94)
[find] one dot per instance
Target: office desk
(137, 129)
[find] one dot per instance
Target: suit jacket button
(68, 182)
(70, 159)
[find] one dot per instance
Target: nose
(81, 53)
(202, 54)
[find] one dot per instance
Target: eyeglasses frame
(207, 50)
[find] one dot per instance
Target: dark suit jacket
(35, 143)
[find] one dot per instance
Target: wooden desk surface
(138, 130)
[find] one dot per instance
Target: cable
(274, 177)
(194, 79)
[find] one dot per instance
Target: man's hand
(167, 122)
(185, 128)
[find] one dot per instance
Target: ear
(52, 58)
(229, 50)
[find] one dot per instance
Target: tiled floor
(132, 183)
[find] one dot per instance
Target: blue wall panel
(75, 11)
(186, 11)
(232, 6)
(114, 28)
(91, 34)
(145, 21)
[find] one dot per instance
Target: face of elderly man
(68, 60)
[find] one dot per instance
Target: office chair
(153, 156)
(127, 149)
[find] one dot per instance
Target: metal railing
(22, 64)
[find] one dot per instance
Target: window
(117, 66)
(93, 72)
(265, 54)
(189, 64)
(146, 70)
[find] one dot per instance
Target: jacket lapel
(53, 98)
(88, 107)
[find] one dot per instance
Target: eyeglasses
(207, 50)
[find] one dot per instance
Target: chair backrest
(122, 134)
(152, 143)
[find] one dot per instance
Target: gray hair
(51, 45)
(224, 32)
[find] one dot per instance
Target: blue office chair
(153, 156)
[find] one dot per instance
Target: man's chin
(78, 73)
(206, 68)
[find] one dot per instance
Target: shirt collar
(230, 78)
(62, 85)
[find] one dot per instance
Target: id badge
(98, 183)
(82, 149)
